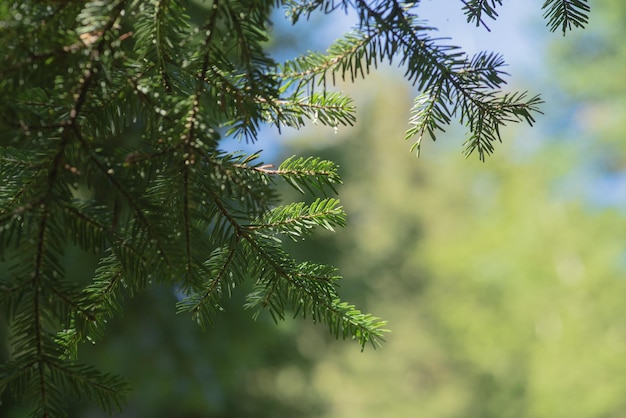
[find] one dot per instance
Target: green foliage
(475, 9)
(566, 13)
(563, 14)
(487, 275)
(112, 115)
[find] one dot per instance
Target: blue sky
(519, 34)
(510, 33)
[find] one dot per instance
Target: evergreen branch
(365, 328)
(204, 304)
(566, 13)
(329, 108)
(429, 64)
(483, 71)
(164, 44)
(20, 198)
(38, 279)
(485, 120)
(298, 8)
(125, 270)
(37, 283)
(238, 107)
(11, 294)
(317, 272)
(187, 144)
(296, 219)
(89, 232)
(129, 198)
(446, 75)
(427, 115)
(187, 221)
(101, 298)
(71, 303)
(98, 20)
(343, 56)
(84, 225)
(85, 381)
(249, 34)
(440, 71)
(475, 9)
(301, 173)
(314, 296)
(239, 170)
(239, 83)
(120, 108)
(307, 173)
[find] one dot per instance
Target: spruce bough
(111, 117)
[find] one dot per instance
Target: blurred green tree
(111, 115)
(510, 303)
(503, 290)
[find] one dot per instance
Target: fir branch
(39, 333)
(442, 73)
(204, 304)
(278, 276)
(298, 8)
(309, 173)
(107, 390)
(328, 108)
(566, 13)
(296, 219)
(475, 9)
(134, 204)
(315, 299)
(345, 54)
(493, 112)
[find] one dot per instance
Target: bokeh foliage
(503, 282)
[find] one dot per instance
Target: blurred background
(504, 283)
